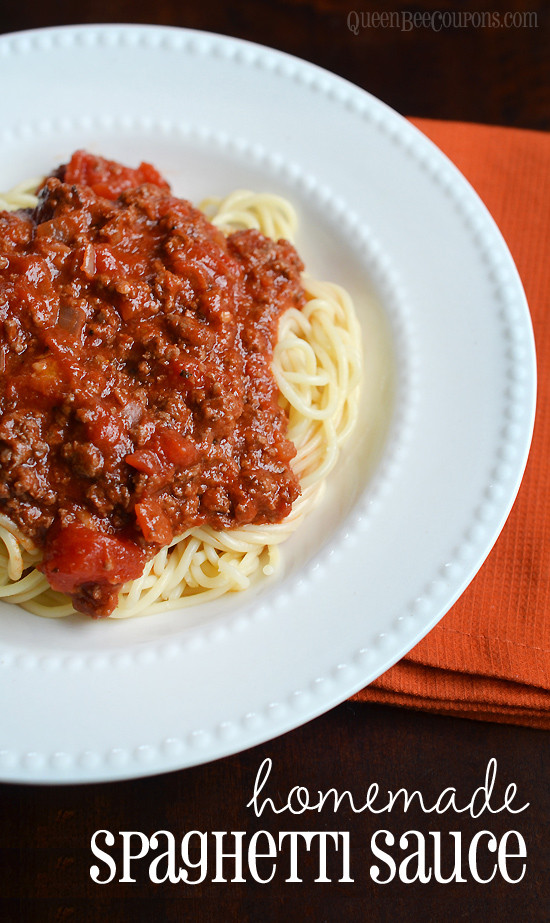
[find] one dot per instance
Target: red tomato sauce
(136, 394)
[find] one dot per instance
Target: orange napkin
(489, 657)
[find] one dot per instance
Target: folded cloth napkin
(489, 657)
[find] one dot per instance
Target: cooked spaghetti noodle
(317, 366)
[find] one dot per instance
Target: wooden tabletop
(497, 74)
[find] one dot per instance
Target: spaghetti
(317, 367)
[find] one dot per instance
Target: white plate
(403, 529)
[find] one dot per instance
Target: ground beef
(136, 396)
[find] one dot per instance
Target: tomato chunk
(149, 462)
(178, 449)
(162, 452)
(76, 555)
(153, 522)
(108, 178)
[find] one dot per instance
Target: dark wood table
(493, 75)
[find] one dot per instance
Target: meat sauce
(136, 394)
